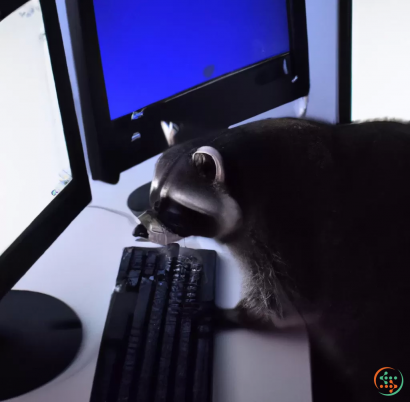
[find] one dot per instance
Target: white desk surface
(80, 269)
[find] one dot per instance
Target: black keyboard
(158, 338)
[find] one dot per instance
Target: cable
(130, 218)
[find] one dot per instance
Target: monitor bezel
(17, 259)
(109, 142)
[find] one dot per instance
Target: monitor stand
(39, 338)
(138, 200)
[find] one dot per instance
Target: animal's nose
(141, 231)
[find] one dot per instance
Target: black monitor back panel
(345, 61)
(117, 145)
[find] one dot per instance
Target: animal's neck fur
(264, 271)
(282, 204)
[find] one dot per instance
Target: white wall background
(381, 59)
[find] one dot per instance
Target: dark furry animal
(319, 215)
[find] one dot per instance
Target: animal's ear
(208, 161)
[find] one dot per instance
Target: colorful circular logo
(388, 381)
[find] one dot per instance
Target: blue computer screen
(154, 49)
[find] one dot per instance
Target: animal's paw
(242, 318)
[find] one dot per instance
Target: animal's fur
(326, 219)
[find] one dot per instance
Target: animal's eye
(205, 166)
(156, 205)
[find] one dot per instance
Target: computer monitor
(43, 187)
(202, 64)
